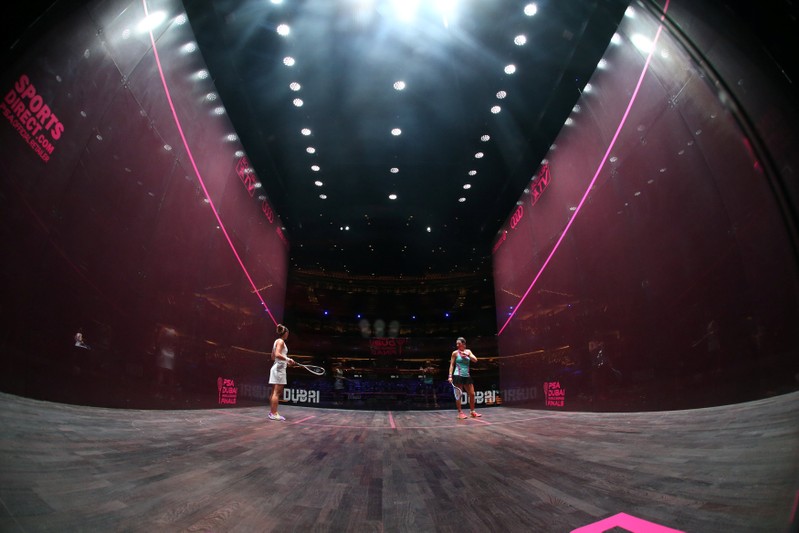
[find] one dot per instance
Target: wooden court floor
(71, 468)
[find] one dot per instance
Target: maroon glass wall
(651, 263)
(143, 266)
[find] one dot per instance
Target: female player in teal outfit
(459, 375)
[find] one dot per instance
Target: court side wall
(651, 262)
(109, 217)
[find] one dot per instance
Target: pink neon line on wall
(596, 174)
(197, 171)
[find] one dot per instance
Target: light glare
(151, 22)
(642, 42)
(530, 10)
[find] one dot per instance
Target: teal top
(462, 365)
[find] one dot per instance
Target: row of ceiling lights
(400, 85)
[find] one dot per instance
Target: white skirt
(277, 375)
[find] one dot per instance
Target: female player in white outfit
(277, 375)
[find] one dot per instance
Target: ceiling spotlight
(318, 183)
(399, 85)
(392, 196)
(461, 200)
(501, 95)
(219, 110)
(298, 102)
(394, 170)
(289, 61)
(530, 10)
(510, 69)
(429, 229)
(323, 196)
(232, 137)
(211, 97)
(202, 74)
(283, 30)
(294, 86)
(472, 172)
(396, 132)
(315, 168)
(479, 155)
(485, 138)
(305, 131)
(239, 153)
(311, 150)
(496, 109)
(520, 40)
(467, 186)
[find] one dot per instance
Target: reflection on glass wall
(143, 263)
(649, 264)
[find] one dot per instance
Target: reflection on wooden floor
(69, 468)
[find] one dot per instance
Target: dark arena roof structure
(394, 137)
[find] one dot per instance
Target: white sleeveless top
(284, 353)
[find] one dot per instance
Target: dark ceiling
(348, 55)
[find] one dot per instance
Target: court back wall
(108, 196)
(651, 264)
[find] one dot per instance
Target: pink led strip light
(596, 174)
(197, 171)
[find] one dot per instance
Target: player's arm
(451, 365)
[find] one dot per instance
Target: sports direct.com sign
(27, 112)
